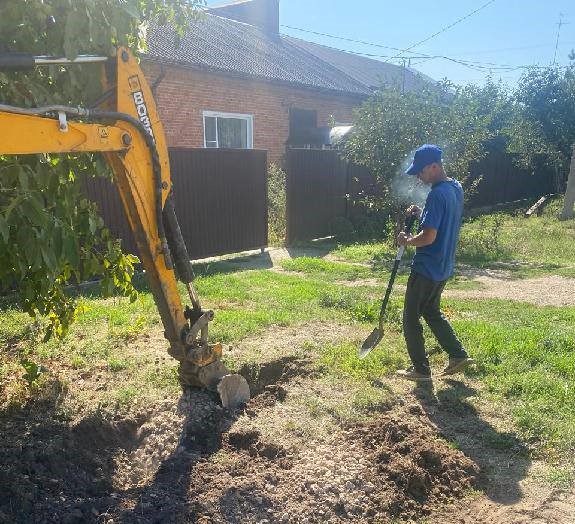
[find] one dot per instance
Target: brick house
(233, 81)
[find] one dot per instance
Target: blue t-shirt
(443, 211)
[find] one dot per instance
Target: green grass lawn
(525, 353)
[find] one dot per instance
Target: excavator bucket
(232, 388)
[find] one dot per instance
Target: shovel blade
(370, 342)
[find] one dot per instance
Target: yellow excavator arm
(128, 132)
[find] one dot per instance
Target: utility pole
(560, 23)
(403, 78)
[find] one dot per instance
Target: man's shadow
(502, 457)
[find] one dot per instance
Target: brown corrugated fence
(220, 198)
(321, 186)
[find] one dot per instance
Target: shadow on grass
(503, 459)
(92, 289)
(233, 265)
(310, 250)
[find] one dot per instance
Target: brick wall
(184, 94)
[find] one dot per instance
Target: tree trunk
(570, 191)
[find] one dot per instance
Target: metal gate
(316, 189)
(220, 199)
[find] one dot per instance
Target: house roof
(369, 72)
(224, 45)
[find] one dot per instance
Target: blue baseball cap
(423, 156)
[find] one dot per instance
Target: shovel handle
(409, 221)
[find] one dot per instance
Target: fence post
(569, 191)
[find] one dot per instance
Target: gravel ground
(550, 290)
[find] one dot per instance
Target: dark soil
(187, 463)
(193, 461)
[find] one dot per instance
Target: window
(302, 126)
(228, 130)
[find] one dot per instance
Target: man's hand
(423, 238)
(402, 239)
(413, 210)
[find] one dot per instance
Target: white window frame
(240, 116)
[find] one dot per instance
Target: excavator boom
(128, 132)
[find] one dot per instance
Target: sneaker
(456, 365)
(412, 374)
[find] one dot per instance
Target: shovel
(377, 334)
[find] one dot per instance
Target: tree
(50, 235)
(392, 124)
(545, 100)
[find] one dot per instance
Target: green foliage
(391, 124)
(482, 242)
(545, 121)
(535, 124)
(33, 371)
(276, 205)
(49, 234)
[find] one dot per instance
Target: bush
(482, 241)
(373, 224)
(342, 229)
(276, 205)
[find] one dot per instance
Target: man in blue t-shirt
(435, 242)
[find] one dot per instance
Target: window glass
(210, 130)
(232, 133)
(228, 130)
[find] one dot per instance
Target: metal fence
(320, 186)
(500, 180)
(220, 199)
(317, 183)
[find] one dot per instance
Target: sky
(500, 38)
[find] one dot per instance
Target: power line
(443, 29)
(482, 67)
(389, 57)
(342, 38)
(521, 48)
(474, 65)
(421, 55)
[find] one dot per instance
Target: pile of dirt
(55, 472)
(194, 461)
(100, 470)
(414, 468)
(395, 467)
